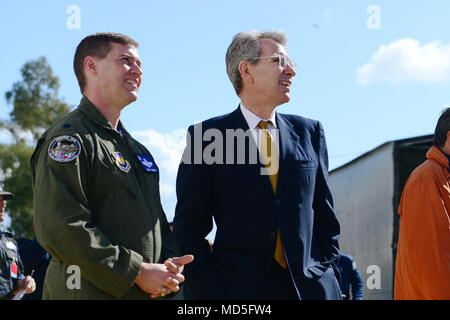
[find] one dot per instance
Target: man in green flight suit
(96, 189)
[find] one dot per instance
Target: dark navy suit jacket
(247, 213)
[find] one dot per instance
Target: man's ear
(244, 69)
(90, 64)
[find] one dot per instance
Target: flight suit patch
(147, 163)
(121, 162)
(64, 149)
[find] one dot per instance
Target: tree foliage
(34, 99)
(36, 106)
(15, 160)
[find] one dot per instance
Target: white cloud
(166, 148)
(167, 190)
(406, 60)
(7, 138)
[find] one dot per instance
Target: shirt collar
(91, 111)
(253, 120)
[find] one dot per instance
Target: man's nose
(136, 70)
(289, 70)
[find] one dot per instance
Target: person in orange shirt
(422, 270)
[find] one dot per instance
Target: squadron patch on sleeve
(64, 149)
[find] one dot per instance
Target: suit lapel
(237, 121)
(288, 145)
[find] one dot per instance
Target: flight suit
(97, 208)
(11, 267)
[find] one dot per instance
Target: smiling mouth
(285, 83)
(134, 83)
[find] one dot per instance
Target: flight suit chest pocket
(119, 168)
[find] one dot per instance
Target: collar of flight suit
(91, 111)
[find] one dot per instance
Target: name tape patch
(147, 163)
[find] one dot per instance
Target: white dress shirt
(253, 120)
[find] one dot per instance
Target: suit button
(272, 235)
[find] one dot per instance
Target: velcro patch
(121, 162)
(147, 163)
(64, 149)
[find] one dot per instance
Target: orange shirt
(422, 268)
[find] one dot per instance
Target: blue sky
(370, 71)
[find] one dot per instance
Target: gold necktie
(270, 158)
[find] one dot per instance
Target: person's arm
(325, 221)
(23, 282)
(6, 287)
(356, 283)
(169, 248)
(424, 227)
(9, 286)
(64, 221)
(193, 221)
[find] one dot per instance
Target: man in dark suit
(262, 177)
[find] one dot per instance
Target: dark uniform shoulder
(71, 123)
(64, 139)
(215, 122)
(298, 121)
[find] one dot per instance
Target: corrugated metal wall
(362, 193)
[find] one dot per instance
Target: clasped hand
(159, 279)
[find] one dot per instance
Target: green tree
(15, 159)
(36, 106)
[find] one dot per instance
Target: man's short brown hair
(96, 45)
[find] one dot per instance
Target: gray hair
(245, 46)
